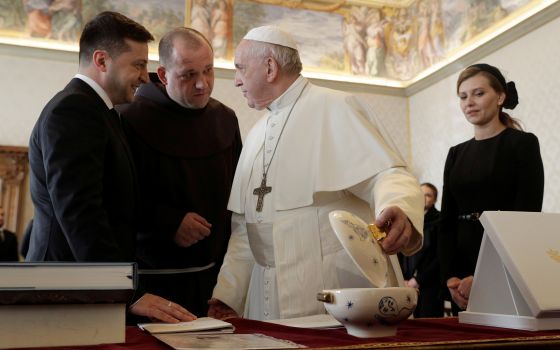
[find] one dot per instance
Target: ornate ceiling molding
(333, 5)
(381, 3)
(327, 6)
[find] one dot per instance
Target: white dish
(358, 241)
(370, 312)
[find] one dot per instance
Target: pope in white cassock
(315, 150)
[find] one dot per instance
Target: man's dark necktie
(115, 118)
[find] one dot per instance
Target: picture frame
(13, 174)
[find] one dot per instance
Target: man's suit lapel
(111, 120)
(115, 123)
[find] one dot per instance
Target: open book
(194, 341)
(208, 333)
(203, 324)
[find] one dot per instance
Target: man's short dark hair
(192, 37)
(108, 31)
(432, 187)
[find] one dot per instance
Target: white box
(517, 278)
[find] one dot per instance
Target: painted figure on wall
(484, 14)
(12, 16)
(220, 24)
(39, 22)
(430, 32)
(375, 43)
(437, 30)
(200, 18)
(54, 19)
(354, 42)
(425, 45)
(401, 61)
(66, 19)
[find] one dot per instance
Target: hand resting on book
(160, 309)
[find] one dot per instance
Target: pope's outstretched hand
(398, 227)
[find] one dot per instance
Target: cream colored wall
(23, 92)
(532, 62)
(27, 83)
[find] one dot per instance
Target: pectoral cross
(261, 191)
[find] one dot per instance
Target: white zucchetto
(272, 35)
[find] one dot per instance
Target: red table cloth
(433, 332)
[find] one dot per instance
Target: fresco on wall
(63, 20)
(158, 16)
(465, 19)
(319, 49)
(214, 20)
(386, 42)
(341, 37)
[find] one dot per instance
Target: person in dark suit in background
(26, 237)
(8, 242)
(83, 180)
(421, 270)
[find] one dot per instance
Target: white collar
(289, 96)
(97, 88)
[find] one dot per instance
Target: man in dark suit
(421, 270)
(83, 180)
(8, 242)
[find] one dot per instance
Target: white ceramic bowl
(370, 312)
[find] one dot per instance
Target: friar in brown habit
(186, 146)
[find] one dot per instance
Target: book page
(187, 341)
(200, 324)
